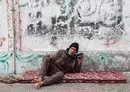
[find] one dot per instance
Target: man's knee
(61, 74)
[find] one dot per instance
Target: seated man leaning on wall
(56, 65)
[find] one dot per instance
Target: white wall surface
(99, 26)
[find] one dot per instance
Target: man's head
(73, 48)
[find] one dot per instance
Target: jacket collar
(67, 50)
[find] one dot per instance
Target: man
(56, 65)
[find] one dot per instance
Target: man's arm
(78, 62)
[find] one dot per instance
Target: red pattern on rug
(83, 77)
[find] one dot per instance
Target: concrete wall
(101, 27)
(6, 37)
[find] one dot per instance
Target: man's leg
(54, 78)
(44, 66)
(43, 71)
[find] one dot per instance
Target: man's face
(72, 51)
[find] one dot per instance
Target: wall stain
(86, 18)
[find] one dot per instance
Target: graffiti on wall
(106, 61)
(56, 19)
(2, 41)
(92, 61)
(5, 62)
(29, 60)
(109, 17)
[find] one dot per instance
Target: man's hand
(80, 58)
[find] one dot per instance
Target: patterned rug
(82, 77)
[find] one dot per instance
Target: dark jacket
(65, 62)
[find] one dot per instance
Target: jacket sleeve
(78, 63)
